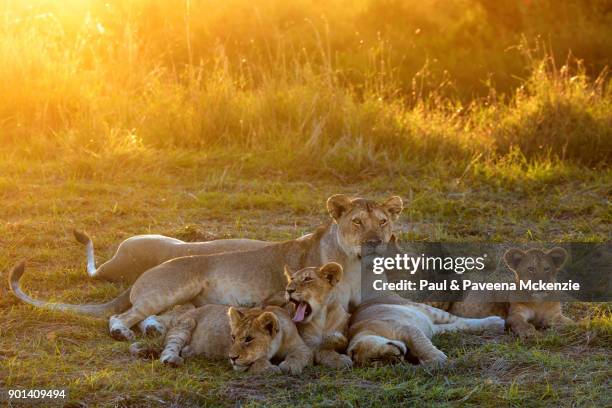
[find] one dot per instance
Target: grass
(211, 119)
(195, 200)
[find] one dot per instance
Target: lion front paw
(290, 367)
(122, 333)
(336, 361)
(172, 360)
(152, 327)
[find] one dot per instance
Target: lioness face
(364, 223)
(253, 334)
(310, 289)
(535, 265)
(372, 350)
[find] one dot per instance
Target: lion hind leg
(420, 345)
(493, 323)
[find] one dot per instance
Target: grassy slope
(189, 196)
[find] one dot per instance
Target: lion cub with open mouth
(320, 318)
(251, 338)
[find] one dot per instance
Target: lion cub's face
(364, 223)
(535, 264)
(310, 289)
(372, 350)
(253, 336)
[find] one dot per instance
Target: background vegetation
(210, 119)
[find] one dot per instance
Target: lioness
(524, 317)
(248, 277)
(251, 338)
(139, 253)
(321, 320)
(391, 329)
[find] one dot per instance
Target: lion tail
(120, 304)
(85, 239)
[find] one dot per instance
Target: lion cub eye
(356, 221)
(248, 339)
(383, 222)
(308, 279)
(531, 269)
(233, 338)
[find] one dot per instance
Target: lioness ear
(269, 322)
(558, 255)
(513, 257)
(288, 273)
(235, 316)
(394, 206)
(337, 205)
(331, 272)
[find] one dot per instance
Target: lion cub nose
(373, 242)
(233, 358)
(290, 290)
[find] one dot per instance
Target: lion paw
(436, 359)
(337, 361)
(495, 324)
(122, 333)
(152, 327)
(290, 368)
(172, 360)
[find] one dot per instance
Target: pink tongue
(299, 313)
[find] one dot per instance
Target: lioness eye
(308, 279)
(233, 338)
(356, 221)
(383, 222)
(531, 269)
(248, 339)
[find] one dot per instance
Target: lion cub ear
(268, 322)
(394, 206)
(331, 272)
(235, 316)
(558, 255)
(337, 205)
(513, 257)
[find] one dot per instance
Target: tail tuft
(82, 237)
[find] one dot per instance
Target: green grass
(189, 197)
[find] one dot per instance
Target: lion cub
(251, 338)
(524, 317)
(320, 318)
(391, 329)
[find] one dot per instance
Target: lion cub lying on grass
(388, 330)
(523, 318)
(320, 318)
(251, 338)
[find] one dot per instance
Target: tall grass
(340, 84)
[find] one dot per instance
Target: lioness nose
(373, 242)
(233, 358)
(290, 290)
